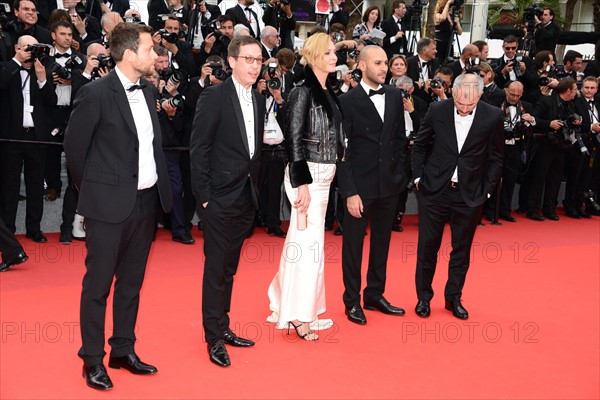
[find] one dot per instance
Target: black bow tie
(424, 64)
(378, 91)
(591, 102)
(457, 113)
(59, 55)
(135, 87)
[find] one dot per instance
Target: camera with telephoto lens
(590, 198)
(519, 130)
(175, 101)
(105, 61)
(456, 6)
(436, 83)
(515, 64)
(172, 74)
(273, 82)
(472, 66)
(531, 12)
(40, 52)
(356, 75)
(170, 37)
(217, 70)
(417, 6)
(404, 94)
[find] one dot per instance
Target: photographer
(269, 42)
(447, 21)
(279, 15)
(573, 61)
(395, 31)
(439, 88)
(156, 8)
(492, 94)
(25, 95)
(543, 65)
(181, 12)
(248, 13)
(88, 27)
(200, 19)
(179, 51)
(513, 67)
(216, 42)
(336, 15)
(108, 23)
(556, 115)
(26, 22)
(546, 31)
(421, 67)
(579, 172)
(469, 55)
(518, 128)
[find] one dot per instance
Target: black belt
(142, 192)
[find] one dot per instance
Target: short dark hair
(571, 55)
(171, 17)
(540, 58)
(336, 27)
(17, 4)
(444, 70)
(233, 50)
(161, 51)
(60, 23)
(365, 16)
(510, 39)
(225, 18)
(565, 84)
(550, 11)
(423, 42)
(480, 44)
(396, 3)
(126, 35)
(286, 57)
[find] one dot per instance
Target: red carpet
(532, 293)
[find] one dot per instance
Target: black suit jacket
(413, 71)
(582, 108)
(479, 161)
(201, 24)
(240, 17)
(373, 166)
(493, 95)
(155, 8)
(528, 78)
(286, 26)
(546, 37)
(11, 103)
(390, 28)
(265, 54)
(456, 68)
(101, 147)
(219, 152)
(185, 57)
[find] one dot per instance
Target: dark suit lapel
(474, 130)
(122, 101)
(151, 101)
(363, 101)
(389, 109)
(257, 144)
(452, 128)
(238, 113)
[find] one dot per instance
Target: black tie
(372, 92)
(135, 87)
(251, 11)
(59, 55)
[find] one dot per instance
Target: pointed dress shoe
(356, 315)
(186, 238)
(96, 377)
(551, 216)
(132, 363)
(384, 306)
(21, 257)
(276, 231)
(232, 339)
(217, 353)
(535, 216)
(457, 309)
(422, 309)
(37, 237)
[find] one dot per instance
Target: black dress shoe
(585, 214)
(186, 238)
(218, 354)
(397, 228)
(457, 309)
(276, 231)
(21, 257)
(384, 306)
(96, 377)
(37, 237)
(232, 339)
(132, 363)
(338, 231)
(551, 216)
(422, 309)
(535, 216)
(356, 315)
(328, 228)
(507, 217)
(571, 213)
(65, 237)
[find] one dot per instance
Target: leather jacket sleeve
(296, 120)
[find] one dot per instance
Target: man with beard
(114, 153)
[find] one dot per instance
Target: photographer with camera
(548, 75)
(514, 67)
(216, 42)
(108, 23)
(200, 18)
(279, 15)
(439, 88)
(546, 31)
(26, 93)
(422, 66)
(26, 22)
(179, 51)
(178, 9)
(556, 116)
(579, 171)
(61, 64)
(395, 31)
(88, 27)
(447, 21)
(518, 128)
(469, 59)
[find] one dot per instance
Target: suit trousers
(29, 158)
(9, 245)
(576, 162)
(177, 214)
(224, 234)
(115, 250)
(510, 173)
(380, 214)
(69, 206)
(548, 167)
(270, 181)
(433, 215)
(59, 117)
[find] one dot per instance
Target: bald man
(370, 178)
(456, 163)
(469, 52)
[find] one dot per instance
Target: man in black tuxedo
(395, 33)
(370, 178)
(200, 17)
(87, 27)
(337, 15)
(27, 22)
(469, 52)
(422, 67)
(269, 42)
(457, 161)
(26, 93)
(114, 153)
(280, 16)
(180, 52)
(156, 8)
(249, 14)
(225, 151)
(512, 67)
(546, 32)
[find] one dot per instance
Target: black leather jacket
(311, 133)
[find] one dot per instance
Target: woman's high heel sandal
(298, 332)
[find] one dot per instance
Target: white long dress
(297, 292)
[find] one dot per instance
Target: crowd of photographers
(552, 124)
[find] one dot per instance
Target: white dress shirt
(511, 75)
(424, 75)
(147, 175)
(63, 92)
(247, 105)
(462, 125)
(27, 107)
(378, 99)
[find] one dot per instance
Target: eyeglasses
(251, 60)
(510, 48)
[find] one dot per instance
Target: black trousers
(29, 158)
(178, 219)
(59, 116)
(121, 251)
(576, 163)
(546, 175)
(433, 215)
(380, 214)
(510, 173)
(335, 206)
(189, 201)
(69, 207)
(224, 234)
(272, 169)
(9, 245)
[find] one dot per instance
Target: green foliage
(513, 10)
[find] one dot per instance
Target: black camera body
(40, 52)
(60, 71)
(273, 82)
(175, 75)
(175, 101)
(356, 75)
(170, 37)
(217, 71)
(436, 83)
(417, 6)
(531, 12)
(404, 94)
(105, 61)
(134, 19)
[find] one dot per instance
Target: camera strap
(25, 82)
